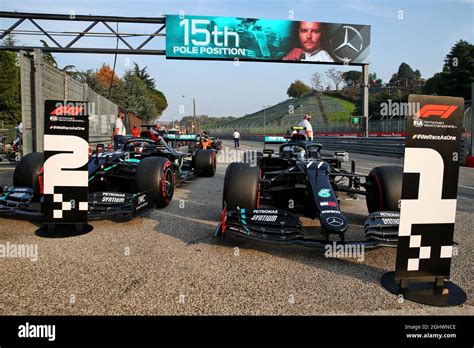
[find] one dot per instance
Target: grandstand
(278, 118)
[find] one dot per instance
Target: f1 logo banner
(429, 190)
(66, 136)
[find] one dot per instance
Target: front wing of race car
(19, 202)
(284, 227)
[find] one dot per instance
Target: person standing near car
(306, 123)
(136, 132)
(236, 136)
(119, 130)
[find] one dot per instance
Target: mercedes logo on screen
(346, 43)
(334, 221)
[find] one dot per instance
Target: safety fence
(377, 146)
(39, 82)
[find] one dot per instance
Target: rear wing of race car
(269, 139)
(180, 137)
(275, 140)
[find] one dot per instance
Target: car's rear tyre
(156, 174)
(241, 186)
(27, 172)
(218, 145)
(205, 162)
(385, 189)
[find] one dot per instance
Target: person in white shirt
(236, 136)
(309, 34)
(119, 130)
(306, 123)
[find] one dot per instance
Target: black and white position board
(429, 190)
(66, 153)
(428, 204)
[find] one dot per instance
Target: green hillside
(279, 117)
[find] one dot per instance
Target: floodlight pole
(365, 98)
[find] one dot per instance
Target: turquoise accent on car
(133, 160)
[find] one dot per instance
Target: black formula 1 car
(185, 165)
(264, 196)
(122, 183)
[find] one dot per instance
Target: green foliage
(137, 97)
(352, 78)
(10, 40)
(144, 76)
(298, 89)
(134, 92)
(209, 122)
(160, 101)
(406, 77)
(457, 74)
(139, 86)
(48, 56)
(10, 101)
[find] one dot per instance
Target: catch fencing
(39, 82)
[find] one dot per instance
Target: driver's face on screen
(310, 35)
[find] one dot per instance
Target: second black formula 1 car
(185, 165)
(265, 195)
(122, 184)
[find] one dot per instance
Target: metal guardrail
(386, 146)
(99, 139)
(377, 146)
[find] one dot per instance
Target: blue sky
(421, 38)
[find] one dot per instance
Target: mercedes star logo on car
(334, 221)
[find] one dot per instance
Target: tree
(144, 76)
(10, 40)
(48, 56)
(90, 78)
(406, 77)
(49, 59)
(335, 76)
(374, 81)
(317, 81)
(352, 78)
(159, 100)
(298, 89)
(10, 100)
(110, 85)
(457, 75)
(106, 76)
(137, 97)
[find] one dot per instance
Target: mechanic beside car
(306, 123)
(119, 130)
